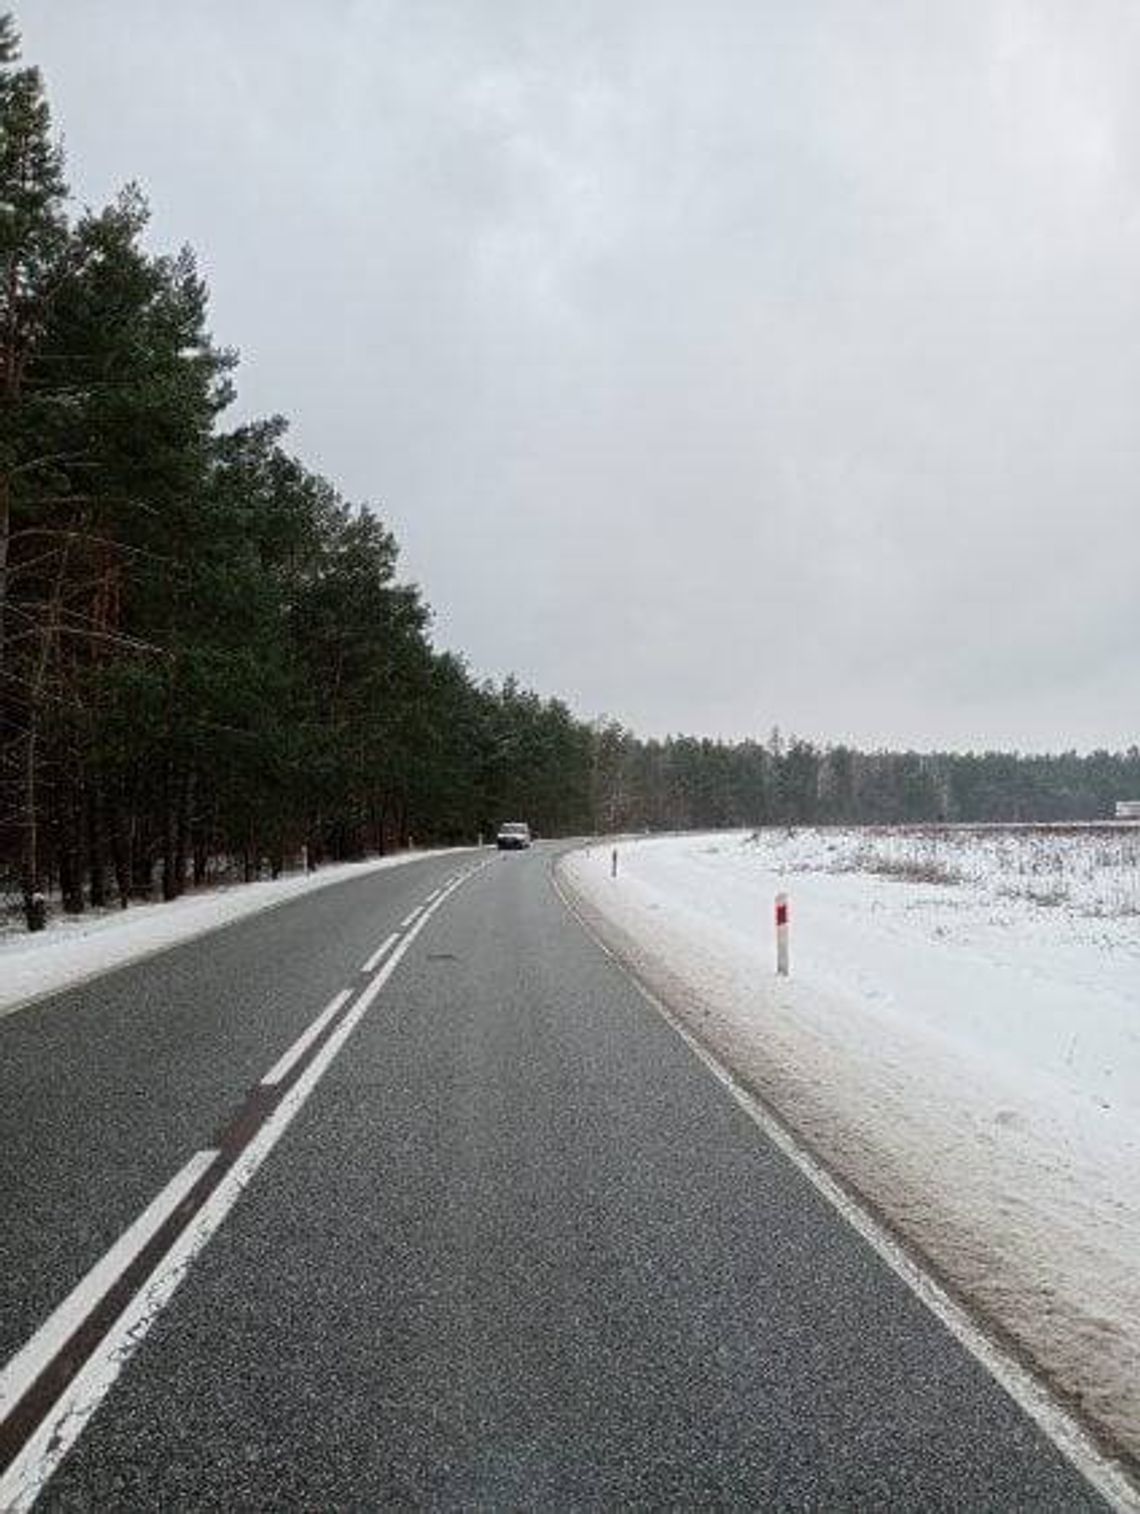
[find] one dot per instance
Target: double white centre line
(381, 952)
(50, 1389)
(26, 1366)
(281, 1070)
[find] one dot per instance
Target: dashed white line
(23, 1369)
(301, 1045)
(408, 919)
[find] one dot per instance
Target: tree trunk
(5, 536)
(96, 860)
(182, 829)
(70, 853)
(120, 853)
(168, 826)
(35, 905)
(142, 860)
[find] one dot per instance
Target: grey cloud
(715, 365)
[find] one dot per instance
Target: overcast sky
(716, 364)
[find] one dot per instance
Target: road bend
(402, 1194)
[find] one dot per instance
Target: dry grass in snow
(1093, 870)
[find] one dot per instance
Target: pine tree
(36, 255)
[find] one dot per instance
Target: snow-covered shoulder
(959, 1037)
(73, 949)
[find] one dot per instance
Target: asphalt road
(518, 1247)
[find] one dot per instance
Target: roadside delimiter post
(613, 863)
(782, 935)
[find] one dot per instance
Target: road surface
(492, 1237)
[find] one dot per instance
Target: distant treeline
(206, 655)
(684, 783)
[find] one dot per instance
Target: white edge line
(22, 1370)
(28, 1474)
(381, 952)
(1027, 1391)
(281, 1067)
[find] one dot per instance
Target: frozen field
(959, 1037)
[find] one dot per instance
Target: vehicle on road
(513, 836)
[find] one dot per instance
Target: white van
(513, 836)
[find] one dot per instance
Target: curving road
(491, 1236)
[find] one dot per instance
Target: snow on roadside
(967, 1057)
(73, 949)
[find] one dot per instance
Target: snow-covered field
(959, 1038)
(79, 947)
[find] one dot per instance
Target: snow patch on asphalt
(74, 949)
(967, 1056)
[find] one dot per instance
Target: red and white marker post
(782, 935)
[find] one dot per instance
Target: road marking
(381, 952)
(1034, 1397)
(407, 920)
(301, 1045)
(23, 1369)
(64, 1421)
(431, 896)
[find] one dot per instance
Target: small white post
(782, 935)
